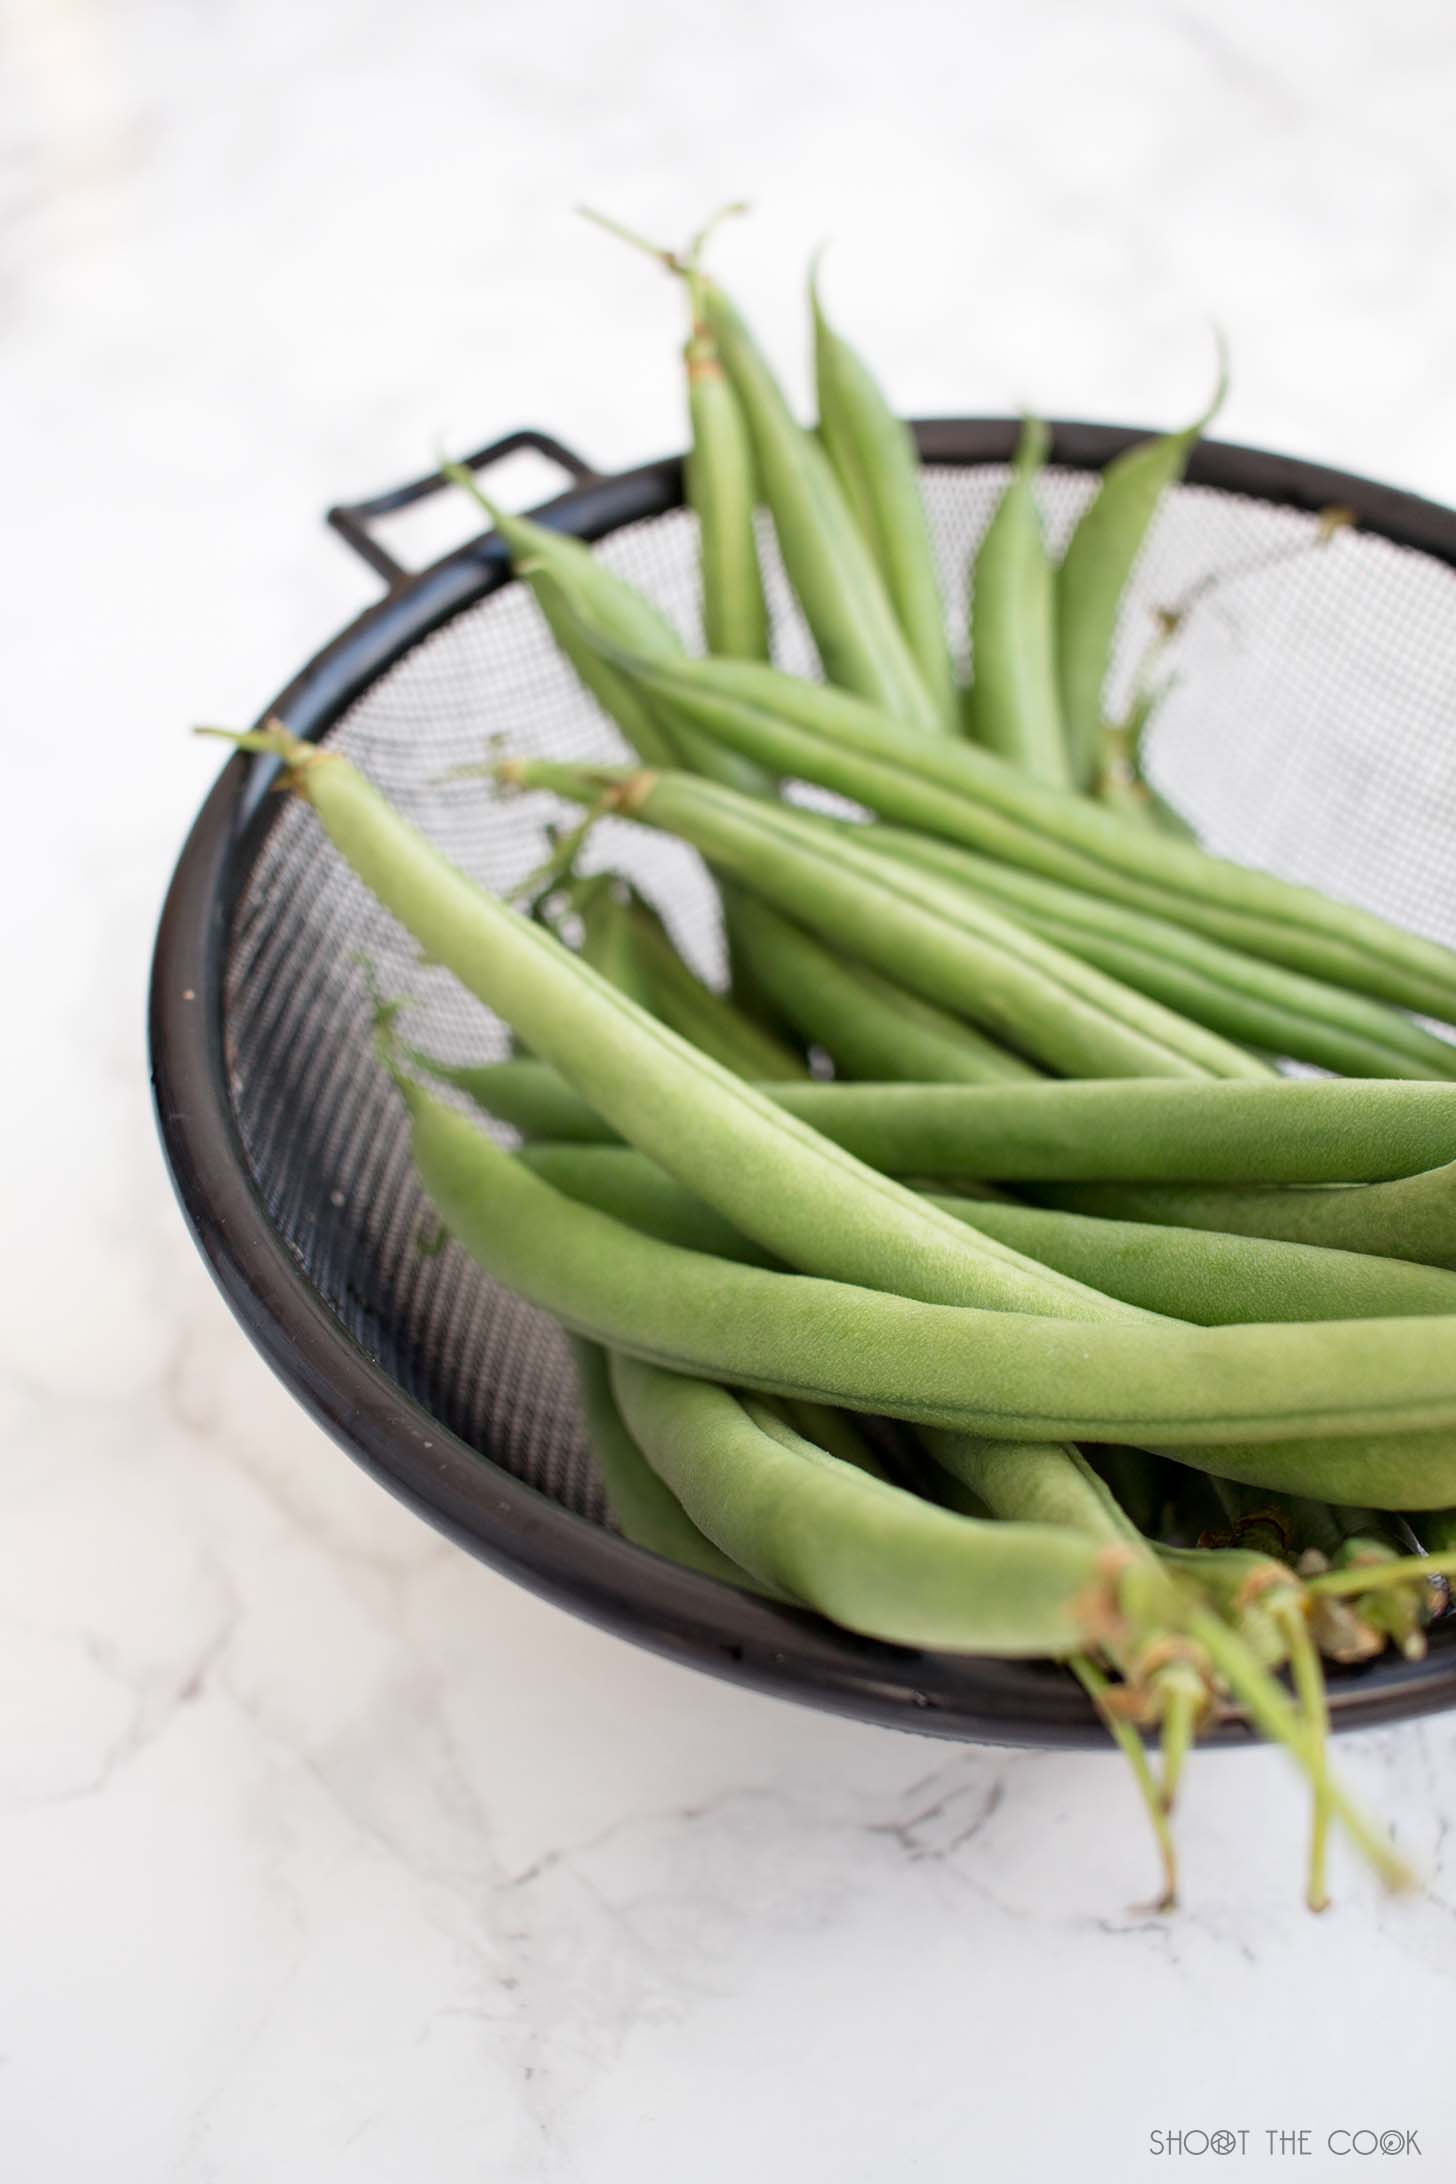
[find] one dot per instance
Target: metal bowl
(1309, 732)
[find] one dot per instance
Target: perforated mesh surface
(1310, 731)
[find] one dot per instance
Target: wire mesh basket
(1308, 731)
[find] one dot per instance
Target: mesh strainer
(1308, 731)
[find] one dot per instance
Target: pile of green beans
(954, 791)
(939, 941)
(991, 1136)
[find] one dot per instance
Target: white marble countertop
(324, 1853)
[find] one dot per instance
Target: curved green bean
(1166, 1682)
(643, 1509)
(1093, 577)
(867, 1554)
(875, 460)
(1015, 705)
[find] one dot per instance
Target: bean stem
(1407, 1569)
(1309, 1688)
(1271, 1711)
(1130, 1744)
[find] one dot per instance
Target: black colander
(1309, 731)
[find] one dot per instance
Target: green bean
(720, 486)
(870, 1026)
(710, 1020)
(583, 603)
(1124, 1131)
(948, 787)
(744, 985)
(722, 491)
(636, 1493)
(1245, 998)
(885, 1563)
(829, 565)
(1026, 1483)
(936, 940)
(574, 592)
(609, 937)
(867, 1554)
(1015, 706)
(1201, 1276)
(778, 1180)
(525, 1094)
(1369, 1404)
(1412, 1217)
(829, 1429)
(875, 460)
(644, 1509)
(1093, 577)
(618, 1180)
(718, 475)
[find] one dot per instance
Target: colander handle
(353, 520)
